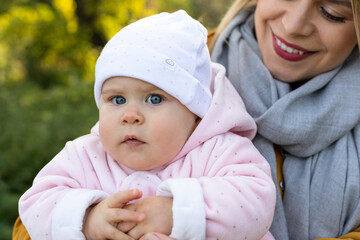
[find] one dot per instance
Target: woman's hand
(101, 220)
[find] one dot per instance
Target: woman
(296, 65)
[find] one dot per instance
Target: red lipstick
(288, 51)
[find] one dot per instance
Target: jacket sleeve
(54, 207)
(236, 186)
(239, 186)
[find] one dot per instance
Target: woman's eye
(118, 100)
(331, 17)
(154, 99)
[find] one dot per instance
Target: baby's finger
(126, 226)
(124, 215)
(132, 206)
(155, 236)
(115, 234)
(118, 200)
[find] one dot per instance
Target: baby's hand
(158, 236)
(158, 212)
(100, 221)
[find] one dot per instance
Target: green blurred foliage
(48, 51)
(35, 123)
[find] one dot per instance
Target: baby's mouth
(132, 141)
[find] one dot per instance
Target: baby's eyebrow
(110, 91)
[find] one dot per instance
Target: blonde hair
(239, 5)
(356, 16)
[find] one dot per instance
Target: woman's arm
(350, 236)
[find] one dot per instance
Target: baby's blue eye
(154, 99)
(118, 100)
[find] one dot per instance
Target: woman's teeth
(287, 48)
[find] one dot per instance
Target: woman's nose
(132, 116)
(297, 20)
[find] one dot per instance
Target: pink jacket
(220, 184)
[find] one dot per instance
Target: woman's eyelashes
(331, 17)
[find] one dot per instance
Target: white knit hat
(167, 50)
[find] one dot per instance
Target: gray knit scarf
(317, 126)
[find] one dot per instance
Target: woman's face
(300, 39)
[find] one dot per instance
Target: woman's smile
(301, 39)
(289, 51)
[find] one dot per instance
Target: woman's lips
(288, 51)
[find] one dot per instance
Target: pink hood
(227, 113)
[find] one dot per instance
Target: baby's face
(141, 126)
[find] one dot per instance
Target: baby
(171, 153)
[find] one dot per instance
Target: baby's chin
(137, 165)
